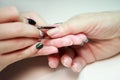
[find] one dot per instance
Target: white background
(58, 11)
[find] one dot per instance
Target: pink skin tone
(40, 21)
(26, 45)
(101, 45)
(103, 31)
(77, 57)
(66, 55)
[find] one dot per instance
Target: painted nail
(39, 46)
(31, 21)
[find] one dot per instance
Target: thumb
(72, 26)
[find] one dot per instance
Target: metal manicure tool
(42, 32)
(48, 27)
(45, 27)
(40, 45)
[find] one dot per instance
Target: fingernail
(41, 33)
(52, 64)
(86, 41)
(82, 44)
(67, 42)
(53, 32)
(76, 67)
(71, 43)
(31, 21)
(67, 62)
(39, 46)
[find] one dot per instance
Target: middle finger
(15, 44)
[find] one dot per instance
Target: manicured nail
(52, 64)
(53, 32)
(39, 46)
(76, 67)
(67, 42)
(41, 33)
(67, 62)
(86, 41)
(31, 21)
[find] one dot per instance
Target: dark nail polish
(39, 46)
(31, 21)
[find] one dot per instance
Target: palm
(97, 50)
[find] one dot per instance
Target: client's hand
(103, 31)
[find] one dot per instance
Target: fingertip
(54, 32)
(66, 61)
(39, 46)
(52, 64)
(76, 67)
(60, 31)
(83, 37)
(53, 61)
(78, 64)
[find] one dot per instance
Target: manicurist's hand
(19, 37)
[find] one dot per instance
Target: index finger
(18, 29)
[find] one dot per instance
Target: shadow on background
(21, 67)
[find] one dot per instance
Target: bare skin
(18, 39)
(102, 30)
